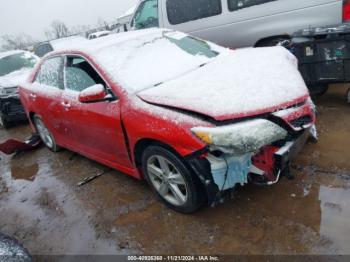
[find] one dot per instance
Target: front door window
(147, 15)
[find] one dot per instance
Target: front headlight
(241, 138)
(203, 135)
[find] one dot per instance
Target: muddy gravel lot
(42, 206)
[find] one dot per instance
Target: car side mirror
(95, 93)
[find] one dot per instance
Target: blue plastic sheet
(229, 170)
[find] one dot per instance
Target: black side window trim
(231, 7)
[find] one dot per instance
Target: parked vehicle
(98, 34)
(44, 48)
(239, 23)
(191, 117)
(15, 67)
(124, 20)
(324, 55)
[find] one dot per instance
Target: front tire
(45, 134)
(171, 179)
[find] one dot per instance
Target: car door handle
(66, 105)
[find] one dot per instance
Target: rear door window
(50, 73)
(182, 11)
(234, 5)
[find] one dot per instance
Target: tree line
(56, 30)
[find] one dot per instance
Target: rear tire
(171, 180)
(45, 134)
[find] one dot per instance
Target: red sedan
(191, 117)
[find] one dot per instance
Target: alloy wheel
(167, 180)
(44, 133)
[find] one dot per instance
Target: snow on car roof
(13, 52)
(97, 34)
(79, 43)
(140, 59)
(67, 42)
(93, 46)
(128, 12)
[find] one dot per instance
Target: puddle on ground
(20, 170)
(44, 213)
(335, 216)
(301, 216)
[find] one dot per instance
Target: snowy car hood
(236, 84)
(15, 78)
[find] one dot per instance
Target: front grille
(12, 106)
(301, 121)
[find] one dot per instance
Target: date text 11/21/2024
(173, 258)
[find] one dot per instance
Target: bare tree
(12, 42)
(80, 29)
(101, 23)
(57, 30)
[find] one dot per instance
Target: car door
(94, 129)
(45, 95)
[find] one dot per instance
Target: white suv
(238, 23)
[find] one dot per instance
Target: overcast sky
(34, 16)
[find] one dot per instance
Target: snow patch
(235, 84)
(93, 90)
(245, 137)
(16, 78)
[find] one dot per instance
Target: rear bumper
(11, 108)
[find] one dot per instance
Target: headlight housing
(5, 91)
(241, 138)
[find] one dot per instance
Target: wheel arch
(142, 144)
(31, 115)
(270, 38)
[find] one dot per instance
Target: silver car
(238, 23)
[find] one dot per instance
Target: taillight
(346, 10)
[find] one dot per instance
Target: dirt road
(42, 207)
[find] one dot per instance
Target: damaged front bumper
(220, 174)
(290, 150)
